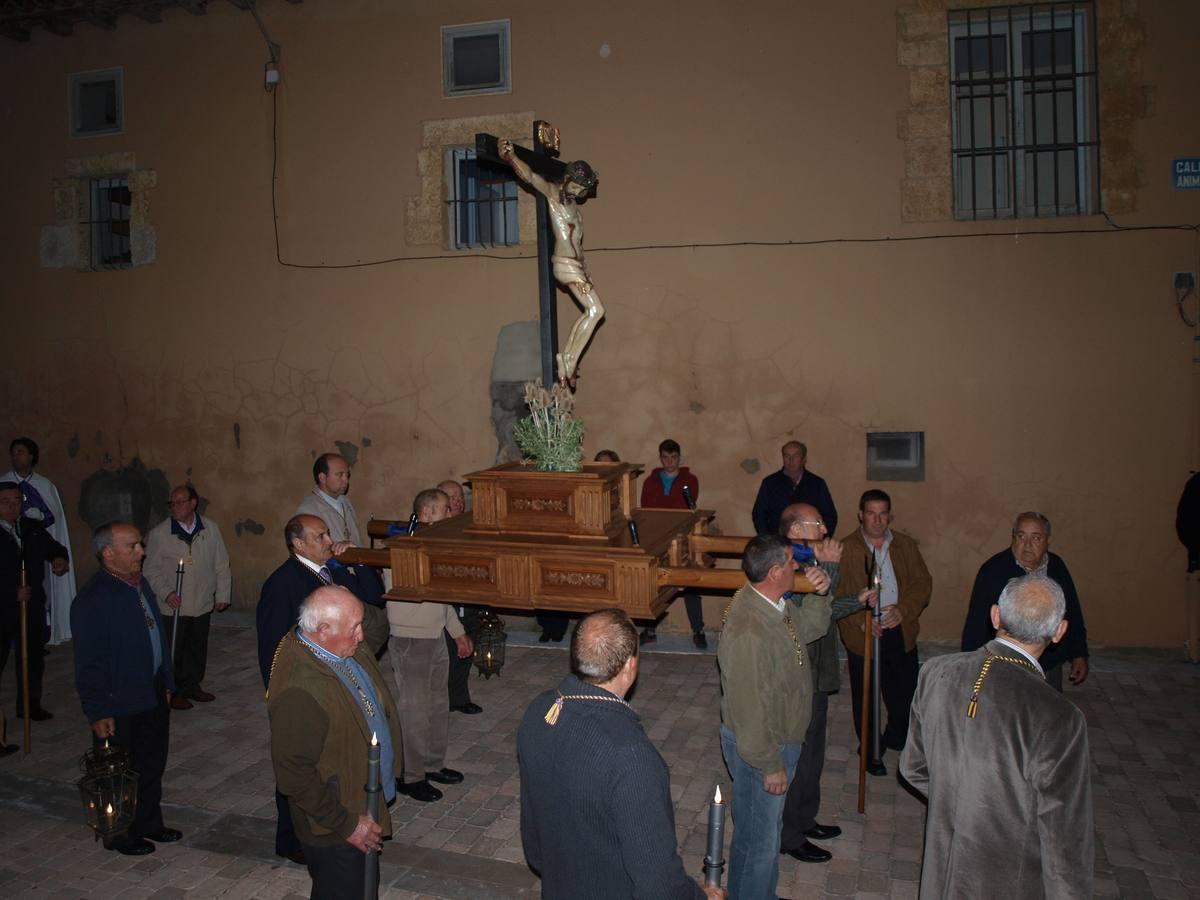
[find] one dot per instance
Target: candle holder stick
(28, 722)
(175, 616)
(373, 790)
(714, 857)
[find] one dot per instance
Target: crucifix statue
(561, 187)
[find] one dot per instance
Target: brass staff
(866, 714)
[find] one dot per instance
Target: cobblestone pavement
(1141, 707)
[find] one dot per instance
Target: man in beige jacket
(420, 662)
(196, 542)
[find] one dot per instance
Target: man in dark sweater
(596, 814)
(792, 484)
(1029, 555)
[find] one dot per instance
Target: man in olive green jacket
(326, 698)
(766, 703)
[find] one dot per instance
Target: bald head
(602, 647)
(454, 494)
(331, 617)
(1031, 611)
(801, 522)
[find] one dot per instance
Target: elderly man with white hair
(1003, 759)
(326, 698)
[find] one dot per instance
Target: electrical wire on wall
(1113, 228)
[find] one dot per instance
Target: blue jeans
(757, 822)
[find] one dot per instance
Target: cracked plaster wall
(1046, 372)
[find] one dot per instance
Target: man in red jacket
(671, 486)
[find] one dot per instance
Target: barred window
(1024, 111)
(482, 198)
(110, 202)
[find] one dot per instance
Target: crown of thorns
(582, 174)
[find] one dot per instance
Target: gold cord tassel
(551, 716)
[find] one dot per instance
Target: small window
(896, 456)
(475, 59)
(1024, 111)
(108, 223)
(482, 199)
(97, 103)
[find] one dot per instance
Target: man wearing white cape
(40, 501)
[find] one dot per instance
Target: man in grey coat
(1003, 760)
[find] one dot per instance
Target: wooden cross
(543, 160)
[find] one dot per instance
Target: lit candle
(108, 817)
(371, 883)
(714, 862)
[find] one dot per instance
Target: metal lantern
(108, 790)
(489, 644)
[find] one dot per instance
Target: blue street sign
(1185, 173)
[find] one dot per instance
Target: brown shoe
(201, 696)
(178, 702)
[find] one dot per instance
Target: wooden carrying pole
(866, 711)
(28, 720)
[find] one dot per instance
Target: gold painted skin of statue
(567, 259)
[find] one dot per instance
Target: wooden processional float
(556, 541)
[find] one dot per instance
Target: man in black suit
(25, 542)
(306, 569)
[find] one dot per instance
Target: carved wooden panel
(475, 571)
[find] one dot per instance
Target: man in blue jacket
(123, 675)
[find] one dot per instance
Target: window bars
(482, 198)
(1024, 111)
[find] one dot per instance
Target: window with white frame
(1024, 111)
(475, 59)
(482, 200)
(97, 103)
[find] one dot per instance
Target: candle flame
(717, 795)
(181, 564)
(374, 740)
(108, 810)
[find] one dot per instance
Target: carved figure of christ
(567, 261)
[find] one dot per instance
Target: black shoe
(876, 767)
(647, 637)
(809, 852)
(700, 639)
(134, 847)
(471, 709)
(823, 832)
(445, 776)
(8, 749)
(165, 835)
(422, 791)
(38, 715)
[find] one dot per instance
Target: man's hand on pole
(367, 835)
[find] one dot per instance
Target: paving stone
(220, 790)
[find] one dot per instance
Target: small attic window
(97, 103)
(475, 59)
